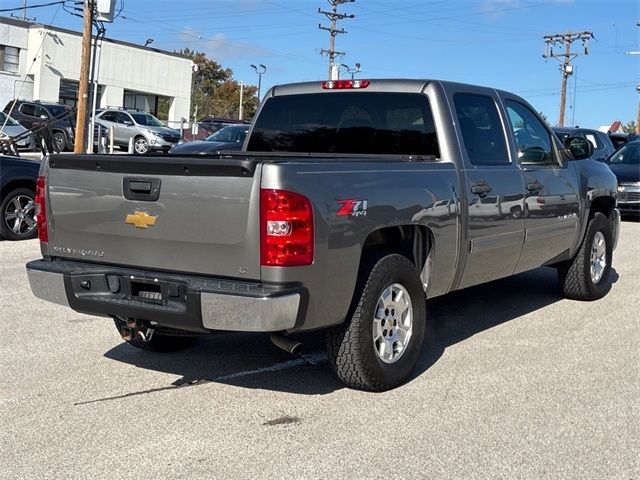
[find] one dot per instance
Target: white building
(41, 62)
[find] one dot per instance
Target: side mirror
(579, 148)
(44, 117)
(128, 123)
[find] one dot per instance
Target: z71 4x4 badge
(352, 208)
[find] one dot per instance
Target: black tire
(9, 207)
(574, 276)
(159, 342)
(350, 346)
(59, 141)
(138, 143)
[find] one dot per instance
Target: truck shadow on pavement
(251, 361)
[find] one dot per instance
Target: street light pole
(352, 71)
(260, 71)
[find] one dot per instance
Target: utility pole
(83, 87)
(241, 110)
(333, 30)
(565, 40)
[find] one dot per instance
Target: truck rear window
(346, 122)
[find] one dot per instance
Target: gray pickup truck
(351, 203)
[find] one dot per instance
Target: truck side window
(481, 129)
(533, 140)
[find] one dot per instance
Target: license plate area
(123, 289)
(147, 292)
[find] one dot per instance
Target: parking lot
(517, 383)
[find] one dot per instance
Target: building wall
(15, 85)
(56, 55)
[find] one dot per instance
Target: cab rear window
(346, 122)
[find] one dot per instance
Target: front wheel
(140, 146)
(379, 343)
(586, 277)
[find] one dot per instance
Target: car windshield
(627, 155)
(562, 135)
(147, 120)
(6, 119)
(229, 134)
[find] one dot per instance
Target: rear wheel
(18, 210)
(59, 141)
(159, 342)
(586, 277)
(378, 345)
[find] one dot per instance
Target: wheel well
(411, 241)
(604, 205)
(24, 183)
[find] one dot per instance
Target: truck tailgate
(205, 218)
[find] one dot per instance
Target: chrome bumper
(255, 309)
(249, 314)
(48, 286)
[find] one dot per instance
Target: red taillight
(41, 210)
(345, 84)
(286, 229)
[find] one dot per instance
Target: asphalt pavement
(516, 383)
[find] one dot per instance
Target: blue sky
(489, 42)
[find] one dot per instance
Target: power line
(25, 7)
(333, 30)
(565, 40)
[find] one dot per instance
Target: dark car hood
(202, 146)
(626, 173)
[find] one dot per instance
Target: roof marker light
(345, 84)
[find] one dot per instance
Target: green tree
(226, 100)
(209, 75)
(629, 127)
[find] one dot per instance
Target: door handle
(481, 189)
(534, 187)
(145, 189)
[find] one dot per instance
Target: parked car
(213, 124)
(619, 139)
(18, 178)
(30, 113)
(625, 164)
(602, 146)
(227, 138)
(312, 227)
(10, 128)
(148, 133)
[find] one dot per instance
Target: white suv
(147, 131)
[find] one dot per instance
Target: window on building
(9, 58)
(69, 93)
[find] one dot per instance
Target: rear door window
(28, 109)
(481, 129)
(347, 122)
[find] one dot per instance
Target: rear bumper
(191, 303)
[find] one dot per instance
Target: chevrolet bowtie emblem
(141, 219)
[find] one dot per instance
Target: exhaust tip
(286, 343)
